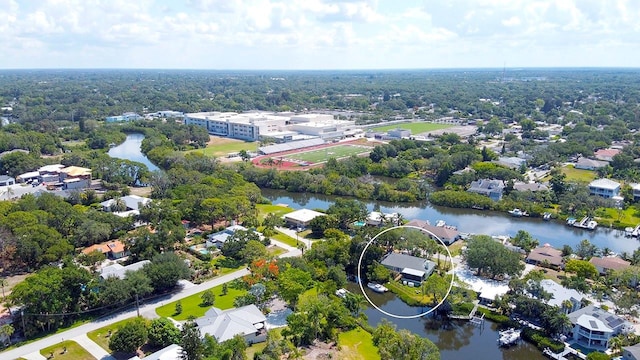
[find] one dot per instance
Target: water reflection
(130, 150)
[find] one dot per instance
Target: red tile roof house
(606, 154)
(604, 264)
(112, 249)
(545, 254)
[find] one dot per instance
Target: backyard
(67, 350)
(357, 344)
(101, 336)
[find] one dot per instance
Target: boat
(592, 225)
(508, 337)
(636, 231)
(377, 288)
(441, 223)
(342, 293)
(586, 223)
(546, 216)
(518, 213)
(571, 221)
(628, 231)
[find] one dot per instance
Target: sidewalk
(93, 348)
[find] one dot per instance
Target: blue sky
(319, 34)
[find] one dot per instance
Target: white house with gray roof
(247, 321)
(119, 271)
(560, 294)
(605, 188)
(412, 268)
(488, 187)
(594, 327)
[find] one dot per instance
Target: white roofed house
(247, 321)
(594, 327)
(218, 239)
(488, 187)
(119, 271)
(605, 188)
(132, 205)
(301, 218)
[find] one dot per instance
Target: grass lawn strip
(100, 336)
(74, 351)
(191, 304)
(415, 127)
(357, 344)
(408, 294)
(284, 238)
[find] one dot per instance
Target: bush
(463, 308)
(495, 317)
(541, 341)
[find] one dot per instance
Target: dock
(472, 318)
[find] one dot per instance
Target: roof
(606, 153)
(546, 252)
(559, 293)
(589, 314)
(5, 178)
(604, 184)
(224, 325)
(51, 168)
(589, 163)
(132, 202)
(29, 175)
(610, 262)
(293, 145)
(171, 352)
(633, 350)
(403, 261)
(413, 272)
(529, 187)
(76, 171)
(302, 215)
(442, 232)
(117, 270)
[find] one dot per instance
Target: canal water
(457, 340)
(130, 150)
(554, 233)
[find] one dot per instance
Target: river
(130, 150)
(554, 233)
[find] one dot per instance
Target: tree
(582, 268)
(524, 240)
(585, 249)
(165, 270)
(292, 282)
(162, 333)
(491, 257)
(6, 331)
(208, 298)
(244, 155)
(253, 251)
(402, 344)
(178, 308)
(377, 272)
(347, 211)
(437, 287)
(130, 336)
(192, 346)
(596, 355)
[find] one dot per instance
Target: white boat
(342, 293)
(508, 337)
(518, 213)
(377, 288)
(591, 225)
(628, 231)
(546, 216)
(441, 223)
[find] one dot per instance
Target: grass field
(191, 305)
(73, 351)
(415, 127)
(578, 175)
(321, 155)
(220, 146)
(265, 209)
(284, 238)
(100, 336)
(357, 344)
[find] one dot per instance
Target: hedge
(541, 341)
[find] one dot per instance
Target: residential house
(171, 352)
(605, 188)
(75, 177)
(301, 218)
(561, 296)
(631, 352)
(413, 269)
(119, 271)
(218, 239)
(112, 250)
(512, 162)
(590, 164)
(7, 180)
(636, 191)
(247, 321)
(606, 154)
(448, 234)
(609, 263)
(521, 186)
(376, 218)
(594, 327)
(132, 204)
(545, 255)
(488, 187)
(50, 173)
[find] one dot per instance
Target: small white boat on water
(518, 213)
(377, 288)
(441, 223)
(508, 337)
(546, 216)
(342, 293)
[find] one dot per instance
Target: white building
(247, 321)
(605, 188)
(119, 271)
(301, 218)
(594, 327)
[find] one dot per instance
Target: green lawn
(101, 336)
(265, 209)
(224, 146)
(321, 155)
(357, 344)
(191, 305)
(578, 175)
(285, 239)
(405, 292)
(415, 127)
(74, 351)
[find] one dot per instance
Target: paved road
(31, 351)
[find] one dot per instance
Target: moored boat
(377, 288)
(508, 337)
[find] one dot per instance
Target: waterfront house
(376, 218)
(560, 295)
(631, 352)
(247, 321)
(448, 234)
(609, 263)
(594, 327)
(521, 186)
(412, 268)
(590, 164)
(301, 218)
(488, 187)
(545, 255)
(605, 188)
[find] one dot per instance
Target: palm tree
(616, 344)
(567, 305)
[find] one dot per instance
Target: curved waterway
(130, 150)
(457, 340)
(554, 233)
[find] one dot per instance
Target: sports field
(415, 127)
(221, 146)
(322, 155)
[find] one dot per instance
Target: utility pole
(24, 327)
(137, 305)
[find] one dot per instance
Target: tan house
(545, 255)
(609, 263)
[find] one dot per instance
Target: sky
(318, 34)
